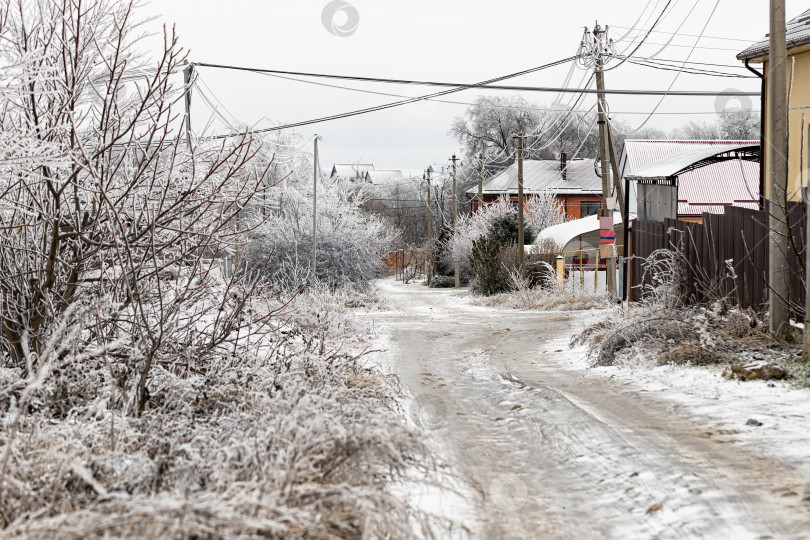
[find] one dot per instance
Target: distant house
(575, 183)
(711, 175)
(388, 177)
(354, 172)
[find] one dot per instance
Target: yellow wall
(798, 155)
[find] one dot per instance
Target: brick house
(575, 183)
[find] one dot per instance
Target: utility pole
(315, 208)
(455, 218)
(521, 246)
(596, 48)
(188, 72)
(777, 148)
(480, 181)
(625, 210)
(429, 230)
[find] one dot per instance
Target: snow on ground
(721, 405)
(636, 451)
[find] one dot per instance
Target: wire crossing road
(554, 452)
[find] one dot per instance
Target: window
(589, 208)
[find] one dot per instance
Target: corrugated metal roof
(545, 175)
(672, 165)
(797, 32)
(728, 183)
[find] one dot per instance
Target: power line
(690, 71)
(692, 62)
(658, 20)
(469, 103)
(457, 88)
(687, 35)
(677, 75)
(488, 86)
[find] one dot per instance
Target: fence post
(560, 267)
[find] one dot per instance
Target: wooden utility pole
(188, 73)
(610, 267)
(429, 231)
(480, 181)
(521, 246)
(777, 148)
(455, 218)
(315, 208)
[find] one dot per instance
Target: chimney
(564, 165)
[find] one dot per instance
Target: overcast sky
(441, 40)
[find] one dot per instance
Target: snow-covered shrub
(540, 290)
(144, 391)
(128, 213)
(541, 211)
(350, 243)
(442, 282)
(500, 218)
(662, 328)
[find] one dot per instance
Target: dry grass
(544, 300)
(295, 440)
(551, 298)
(695, 335)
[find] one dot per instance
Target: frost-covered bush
(350, 242)
(499, 218)
(663, 329)
(541, 211)
(146, 390)
(442, 282)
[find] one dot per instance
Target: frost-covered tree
(350, 241)
(103, 203)
(541, 211)
(732, 124)
(489, 125)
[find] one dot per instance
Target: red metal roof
(708, 189)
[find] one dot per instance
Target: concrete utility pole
(480, 181)
(806, 334)
(188, 73)
(777, 148)
(610, 266)
(595, 50)
(455, 218)
(315, 208)
(521, 243)
(429, 230)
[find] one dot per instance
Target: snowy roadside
(445, 495)
(721, 406)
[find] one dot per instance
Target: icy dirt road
(551, 452)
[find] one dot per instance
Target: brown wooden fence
(733, 244)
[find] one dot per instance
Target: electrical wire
(486, 85)
(658, 20)
(457, 88)
(677, 75)
(691, 35)
(690, 71)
